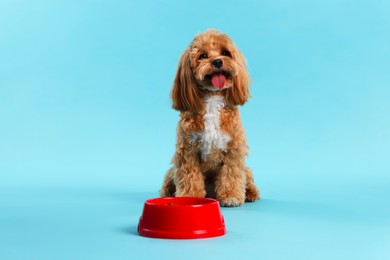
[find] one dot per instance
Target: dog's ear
(185, 93)
(239, 93)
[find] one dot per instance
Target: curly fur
(211, 144)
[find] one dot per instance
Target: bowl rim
(204, 202)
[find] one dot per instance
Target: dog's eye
(202, 56)
(226, 53)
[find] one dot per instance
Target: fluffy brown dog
(210, 82)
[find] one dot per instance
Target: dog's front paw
(231, 202)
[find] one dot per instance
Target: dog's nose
(217, 63)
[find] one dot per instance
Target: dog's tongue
(218, 81)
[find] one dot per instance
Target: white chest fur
(212, 137)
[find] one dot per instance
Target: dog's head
(212, 62)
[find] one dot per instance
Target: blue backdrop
(87, 131)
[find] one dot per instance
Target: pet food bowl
(181, 218)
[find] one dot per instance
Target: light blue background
(87, 131)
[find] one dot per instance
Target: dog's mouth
(218, 79)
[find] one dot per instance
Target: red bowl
(181, 217)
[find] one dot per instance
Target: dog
(209, 161)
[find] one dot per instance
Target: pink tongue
(218, 81)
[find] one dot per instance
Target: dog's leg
(189, 181)
(230, 182)
(168, 189)
(251, 191)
